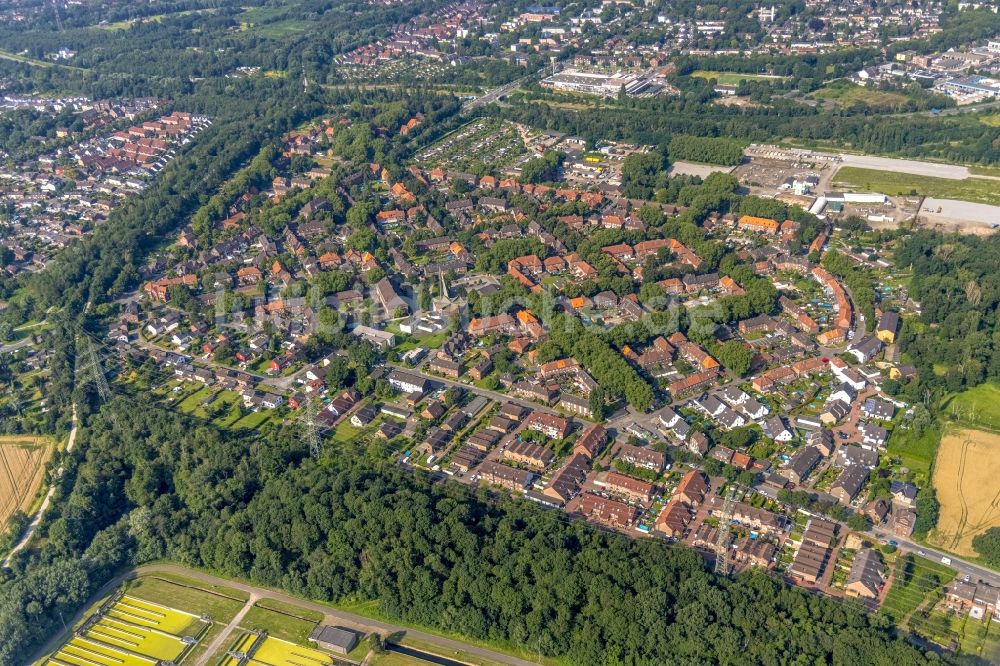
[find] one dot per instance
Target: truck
(945, 560)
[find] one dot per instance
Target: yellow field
(276, 652)
(85, 652)
(22, 465)
(965, 480)
(133, 632)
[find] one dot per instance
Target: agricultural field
(894, 183)
(271, 651)
(845, 94)
(22, 466)
(129, 631)
(965, 474)
(733, 78)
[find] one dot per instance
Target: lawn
(916, 453)
(282, 621)
(219, 604)
(978, 407)
(845, 94)
(427, 342)
(977, 190)
(194, 400)
(910, 590)
(253, 420)
(975, 637)
(346, 431)
(733, 78)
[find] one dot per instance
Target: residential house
(865, 578)
(801, 464)
(692, 488)
(505, 476)
(607, 511)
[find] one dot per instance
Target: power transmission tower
(97, 373)
(722, 534)
(309, 411)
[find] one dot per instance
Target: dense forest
(956, 280)
(152, 484)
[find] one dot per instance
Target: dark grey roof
(342, 638)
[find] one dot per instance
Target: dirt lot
(22, 462)
(965, 479)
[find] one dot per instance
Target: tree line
(154, 484)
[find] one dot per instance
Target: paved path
(973, 571)
(37, 519)
(486, 393)
(342, 618)
(223, 637)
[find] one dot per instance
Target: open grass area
(394, 659)
(458, 655)
(965, 474)
(916, 586)
(192, 597)
(978, 407)
(7, 55)
(980, 638)
(916, 453)
(253, 420)
(979, 190)
(733, 78)
(845, 94)
(346, 431)
(287, 623)
(194, 400)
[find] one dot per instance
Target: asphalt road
(975, 572)
(343, 618)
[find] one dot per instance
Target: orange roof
(525, 317)
(762, 223)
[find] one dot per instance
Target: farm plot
(263, 650)
(276, 652)
(131, 632)
(22, 465)
(965, 473)
(479, 144)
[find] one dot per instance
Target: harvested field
(965, 479)
(22, 464)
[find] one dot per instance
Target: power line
(722, 534)
(312, 432)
